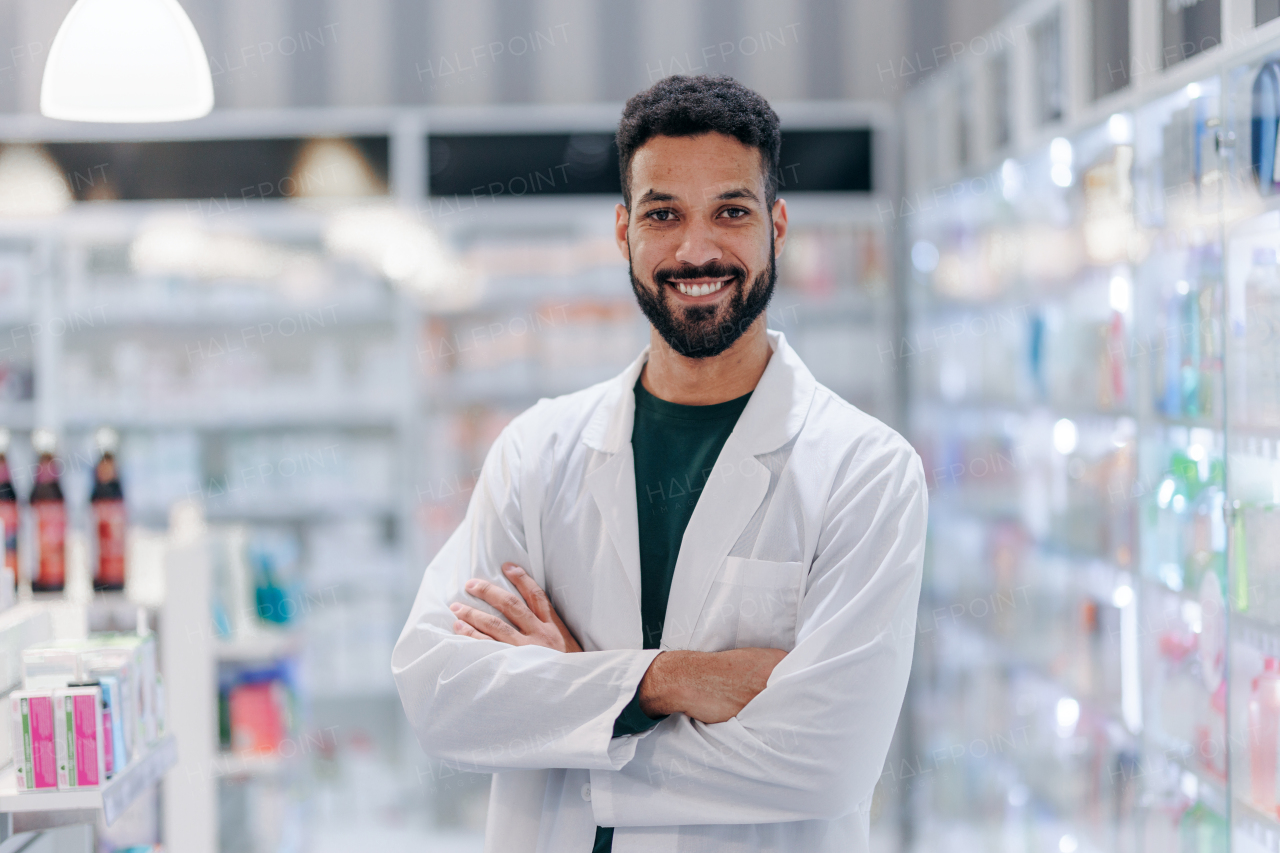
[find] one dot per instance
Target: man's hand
(535, 621)
(710, 687)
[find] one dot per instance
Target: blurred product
(1264, 725)
(50, 512)
(112, 725)
(109, 516)
(256, 709)
(35, 754)
(8, 513)
(1202, 830)
(78, 734)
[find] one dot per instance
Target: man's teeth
(699, 289)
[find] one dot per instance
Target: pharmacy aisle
(287, 402)
(271, 403)
(1093, 380)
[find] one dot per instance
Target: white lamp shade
(126, 61)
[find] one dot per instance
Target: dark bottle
(109, 519)
(51, 517)
(8, 510)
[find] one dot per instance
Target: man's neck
(705, 381)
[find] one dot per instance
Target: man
(731, 555)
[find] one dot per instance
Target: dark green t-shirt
(675, 447)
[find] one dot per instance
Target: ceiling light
(126, 61)
(333, 168)
(1065, 436)
(1120, 128)
(30, 182)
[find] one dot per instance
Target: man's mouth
(701, 286)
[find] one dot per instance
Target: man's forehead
(665, 166)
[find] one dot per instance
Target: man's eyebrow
(741, 192)
(654, 195)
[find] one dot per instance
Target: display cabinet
(1094, 391)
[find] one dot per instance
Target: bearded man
(679, 613)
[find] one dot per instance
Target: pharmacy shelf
(242, 321)
(290, 508)
(232, 764)
(1261, 635)
(111, 799)
(1256, 822)
(259, 646)
(174, 414)
(18, 415)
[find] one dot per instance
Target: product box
(47, 667)
(35, 752)
(258, 719)
(112, 725)
(77, 720)
(140, 651)
(119, 665)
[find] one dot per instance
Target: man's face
(699, 239)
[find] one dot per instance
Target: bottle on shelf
(1264, 742)
(50, 511)
(8, 514)
(109, 519)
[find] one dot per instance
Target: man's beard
(696, 331)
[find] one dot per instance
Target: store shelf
(259, 646)
(186, 315)
(1261, 635)
(232, 764)
(289, 510)
(17, 415)
(173, 414)
(111, 799)
(1258, 823)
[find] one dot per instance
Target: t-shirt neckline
(714, 411)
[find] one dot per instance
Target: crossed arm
(710, 687)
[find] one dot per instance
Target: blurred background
(1040, 239)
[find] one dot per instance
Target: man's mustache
(708, 270)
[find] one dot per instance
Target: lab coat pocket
(754, 603)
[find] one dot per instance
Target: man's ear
(779, 226)
(622, 219)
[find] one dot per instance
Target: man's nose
(698, 245)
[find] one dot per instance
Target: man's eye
(736, 212)
(661, 215)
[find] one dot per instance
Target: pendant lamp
(126, 61)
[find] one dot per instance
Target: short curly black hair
(692, 106)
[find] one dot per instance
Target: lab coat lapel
(613, 483)
(737, 486)
(613, 486)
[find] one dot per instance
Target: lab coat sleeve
(812, 744)
(486, 706)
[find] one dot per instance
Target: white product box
(78, 734)
(34, 740)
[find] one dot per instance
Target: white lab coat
(808, 536)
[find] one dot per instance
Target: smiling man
(679, 612)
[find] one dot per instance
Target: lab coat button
(586, 793)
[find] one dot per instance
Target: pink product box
(34, 736)
(77, 714)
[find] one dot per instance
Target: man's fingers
(507, 603)
(487, 624)
(532, 594)
(460, 627)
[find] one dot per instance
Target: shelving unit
(111, 799)
(1132, 235)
